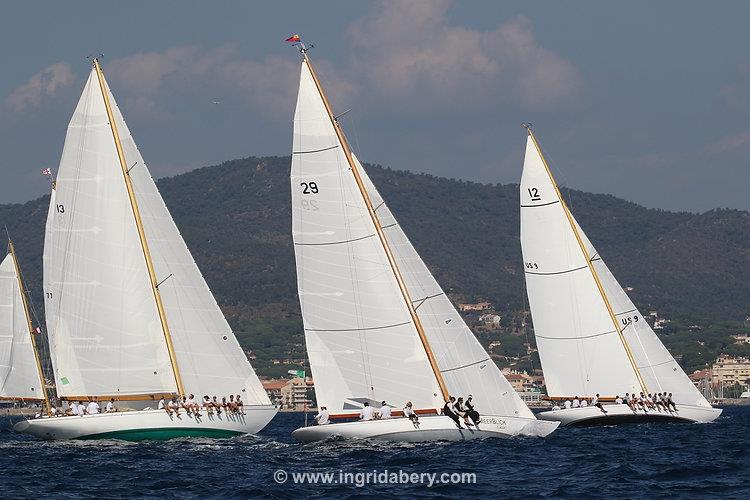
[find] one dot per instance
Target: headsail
(660, 371)
(361, 341)
(18, 369)
(579, 345)
(464, 363)
(209, 356)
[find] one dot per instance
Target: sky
(648, 101)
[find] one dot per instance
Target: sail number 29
(309, 187)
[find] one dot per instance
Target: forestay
(659, 370)
(102, 321)
(361, 341)
(465, 365)
(579, 346)
(18, 372)
(209, 357)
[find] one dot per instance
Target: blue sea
(629, 461)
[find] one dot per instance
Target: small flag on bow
(294, 38)
(46, 171)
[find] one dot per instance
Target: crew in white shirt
(584, 403)
(367, 413)
(73, 408)
(92, 408)
(161, 404)
(110, 408)
(322, 418)
(81, 409)
(410, 414)
(576, 402)
(567, 404)
(618, 400)
(385, 411)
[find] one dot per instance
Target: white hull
(149, 424)
(430, 428)
(622, 414)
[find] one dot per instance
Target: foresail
(579, 347)
(18, 372)
(465, 365)
(361, 341)
(103, 324)
(209, 357)
(660, 371)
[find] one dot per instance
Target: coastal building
(741, 338)
(290, 394)
(730, 370)
(479, 306)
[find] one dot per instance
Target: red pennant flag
(294, 38)
(37, 330)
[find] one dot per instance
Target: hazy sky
(649, 101)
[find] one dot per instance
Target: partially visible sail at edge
(18, 371)
(579, 345)
(361, 341)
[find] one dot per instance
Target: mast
(30, 326)
(590, 264)
(139, 225)
(378, 229)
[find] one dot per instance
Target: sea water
(657, 460)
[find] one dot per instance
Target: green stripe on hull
(163, 434)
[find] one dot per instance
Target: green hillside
(235, 217)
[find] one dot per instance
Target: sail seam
(314, 150)
(577, 338)
(465, 366)
(358, 329)
(540, 205)
(657, 364)
(626, 312)
(558, 272)
(342, 241)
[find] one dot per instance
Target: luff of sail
(579, 346)
(19, 378)
(361, 341)
(209, 356)
(105, 332)
(463, 362)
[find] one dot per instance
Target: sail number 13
(309, 187)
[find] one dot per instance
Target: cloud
(267, 85)
(409, 52)
(730, 143)
(45, 83)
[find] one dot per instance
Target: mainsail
(19, 377)
(107, 333)
(583, 348)
(362, 342)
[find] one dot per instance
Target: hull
(430, 428)
(149, 424)
(619, 414)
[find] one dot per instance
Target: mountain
(236, 219)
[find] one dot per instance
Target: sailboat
(378, 327)
(591, 337)
(129, 315)
(21, 374)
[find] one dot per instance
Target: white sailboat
(378, 327)
(21, 375)
(129, 315)
(591, 337)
